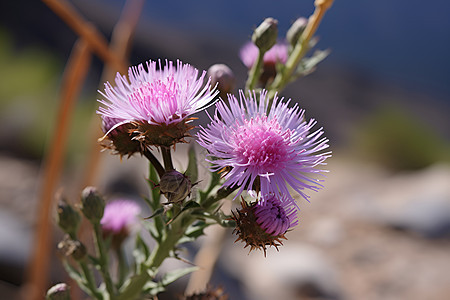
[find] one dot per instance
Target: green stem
(255, 72)
(103, 260)
(283, 78)
(122, 267)
(221, 194)
(167, 158)
(158, 255)
(90, 282)
(300, 49)
(154, 161)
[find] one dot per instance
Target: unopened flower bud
(266, 34)
(264, 223)
(296, 30)
(73, 248)
(175, 186)
(223, 76)
(60, 291)
(93, 204)
(68, 218)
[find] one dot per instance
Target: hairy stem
(103, 260)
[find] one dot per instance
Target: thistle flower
(264, 151)
(265, 222)
(119, 218)
(277, 54)
(119, 137)
(159, 103)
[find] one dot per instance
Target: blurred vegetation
(29, 100)
(400, 141)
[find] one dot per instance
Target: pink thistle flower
(119, 218)
(158, 102)
(264, 151)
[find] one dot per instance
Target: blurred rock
(296, 272)
(418, 202)
(326, 232)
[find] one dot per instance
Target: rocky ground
(368, 235)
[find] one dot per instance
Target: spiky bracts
(209, 294)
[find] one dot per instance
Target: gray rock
(295, 272)
(418, 202)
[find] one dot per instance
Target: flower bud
(265, 35)
(93, 204)
(223, 76)
(296, 30)
(68, 218)
(264, 223)
(73, 248)
(60, 291)
(175, 186)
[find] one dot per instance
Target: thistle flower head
(119, 218)
(158, 102)
(119, 137)
(264, 223)
(264, 151)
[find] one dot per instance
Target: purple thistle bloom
(271, 150)
(276, 216)
(277, 54)
(165, 96)
(119, 216)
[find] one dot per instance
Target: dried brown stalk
(89, 32)
(121, 42)
(74, 75)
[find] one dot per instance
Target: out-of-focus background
(380, 228)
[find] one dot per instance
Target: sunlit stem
(255, 72)
(300, 49)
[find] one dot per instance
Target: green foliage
(29, 100)
(399, 141)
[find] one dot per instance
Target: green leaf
(73, 273)
(307, 65)
(153, 288)
(189, 205)
(172, 276)
(156, 213)
(192, 168)
(141, 253)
